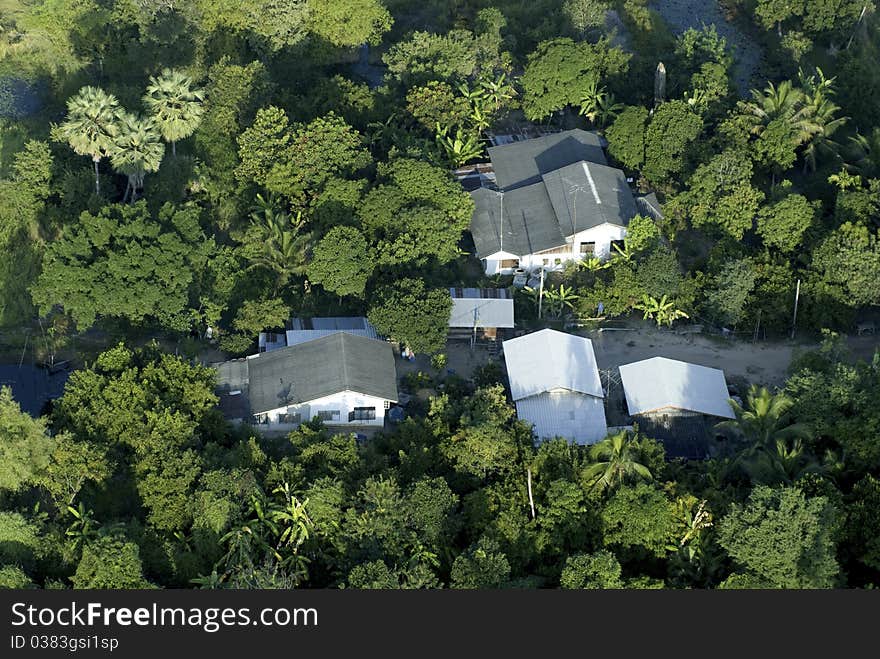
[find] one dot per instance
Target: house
(480, 313)
(555, 199)
(554, 381)
(342, 378)
(676, 402)
(307, 329)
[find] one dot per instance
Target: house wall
(601, 236)
(580, 418)
(344, 402)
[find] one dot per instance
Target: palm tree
(662, 310)
(136, 151)
(278, 242)
(866, 157)
(175, 105)
(616, 459)
(786, 461)
(763, 419)
(818, 118)
(774, 102)
(92, 125)
(461, 148)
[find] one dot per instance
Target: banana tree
(663, 310)
(460, 148)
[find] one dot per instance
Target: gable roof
(585, 195)
(523, 163)
(308, 371)
(657, 383)
(547, 360)
(475, 307)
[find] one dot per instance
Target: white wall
(601, 235)
(344, 402)
(580, 418)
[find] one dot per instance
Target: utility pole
(531, 500)
(541, 293)
(797, 294)
(855, 29)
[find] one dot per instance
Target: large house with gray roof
(341, 378)
(555, 199)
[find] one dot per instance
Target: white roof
(579, 418)
(481, 312)
(657, 383)
(548, 360)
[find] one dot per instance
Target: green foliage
(349, 22)
(342, 262)
(110, 563)
(413, 314)
(559, 73)
(25, 445)
(122, 262)
(846, 266)
(782, 225)
(639, 518)
(671, 132)
(20, 540)
(729, 291)
(483, 565)
(600, 570)
(783, 538)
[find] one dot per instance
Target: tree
(600, 570)
(764, 419)
(783, 538)
(782, 225)
(672, 130)
(110, 563)
(459, 148)
(585, 15)
(626, 136)
(483, 565)
(639, 519)
(175, 105)
(561, 72)
(616, 460)
(598, 105)
(278, 24)
(122, 262)
(726, 297)
(349, 22)
(136, 150)
(410, 312)
(342, 262)
(437, 103)
(424, 56)
(863, 522)
(276, 241)
(92, 125)
(846, 266)
(25, 445)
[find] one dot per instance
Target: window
(362, 414)
(290, 417)
(387, 404)
(588, 248)
(509, 263)
(261, 419)
(546, 261)
(328, 415)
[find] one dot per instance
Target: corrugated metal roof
(305, 372)
(585, 195)
(522, 163)
(480, 311)
(577, 417)
(653, 384)
(548, 360)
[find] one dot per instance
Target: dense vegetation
(168, 167)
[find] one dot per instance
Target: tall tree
(136, 150)
(175, 105)
(92, 125)
(616, 459)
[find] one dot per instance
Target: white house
(344, 379)
(554, 381)
(309, 329)
(555, 200)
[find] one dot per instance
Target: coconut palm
(92, 125)
(617, 459)
(175, 105)
(762, 421)
(136, 151)
(786, 461)
(818, 118)
(662, 310)
(276, 241)
(774, 102)
(865, 157)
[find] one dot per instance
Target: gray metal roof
(529, 225)
(585, 195)
(537, 217)
(649, 206)
(312, 370)
(523, 163)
